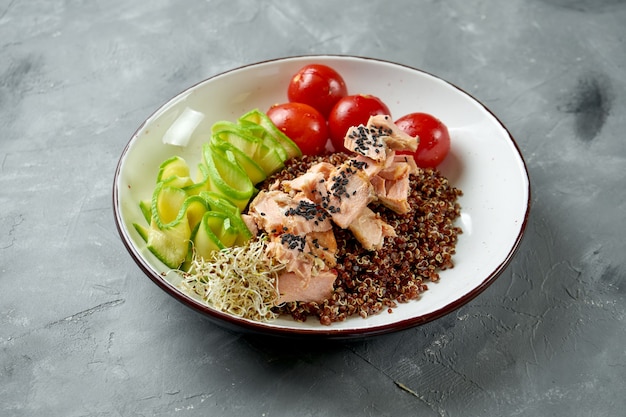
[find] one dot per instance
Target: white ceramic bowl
(484, 162)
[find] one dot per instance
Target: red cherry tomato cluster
(320, 109)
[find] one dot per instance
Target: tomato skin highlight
(317, 85)
(303, 124)
(434, 138)
(351, 111)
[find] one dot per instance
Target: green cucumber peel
(146, 209)
(216, 203)
(173, 167)
(188, 202)
(263, 120)
(171, 244)
(247, 164)
(206, 241)
(228, 179)
(142, 230)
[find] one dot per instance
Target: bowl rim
(263, 328)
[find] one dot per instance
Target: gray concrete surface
(84, 333)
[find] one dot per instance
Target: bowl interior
(484, 162)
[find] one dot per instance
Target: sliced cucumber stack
(205, 215)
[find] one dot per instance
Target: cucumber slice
(194, 208)
(146, 209)
(271, 161)
(171, 205)
(167, 202)
(170, 244)
(202, 183)
(214, 220)
(268, 139)
(221, 225)
(269, 158)
(173, 167)
(253, 128)
(261, 119)
(248, 144)
(169, 241)
(244, 127)
(224, 125)
(228, 179)
(202, 172)
(178, 182)
(217, 203)
(142, 230)
(206, 241)
(252, 169)
(229, 234)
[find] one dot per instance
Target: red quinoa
(369, 282)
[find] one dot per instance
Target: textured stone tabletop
(83, 332)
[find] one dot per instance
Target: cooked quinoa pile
(369, 282)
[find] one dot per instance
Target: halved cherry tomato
(317, 85)
(352, 111)
(303, 124)
(434, 142)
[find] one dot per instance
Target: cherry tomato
(317, 85)
(302, 124)
(434, 142)
(352, 111)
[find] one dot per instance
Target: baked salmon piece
(409, 160)
(250, 223)
(369, 166)
(363, 141)
(323, 246)
(378, 138)
(304, 216)
(278, 212)
(349, 192)
(317, 289)
(394, 137)
(392, 193)
(305, 258)
(370, 230)
(310, 184)
(267, 210)
(290, 250)
(391, 184)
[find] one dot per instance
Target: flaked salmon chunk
(369, 166)
(349, 192)
(304, 216)
(394, 137)
(367, 142)
(409, 160)
(391, 185)
(378, 139)
(317, 289)
(289, 250)
(267, 210)
(277, 212)
(370, 230)
(392, 193)
(312, 184)
(323, 245)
